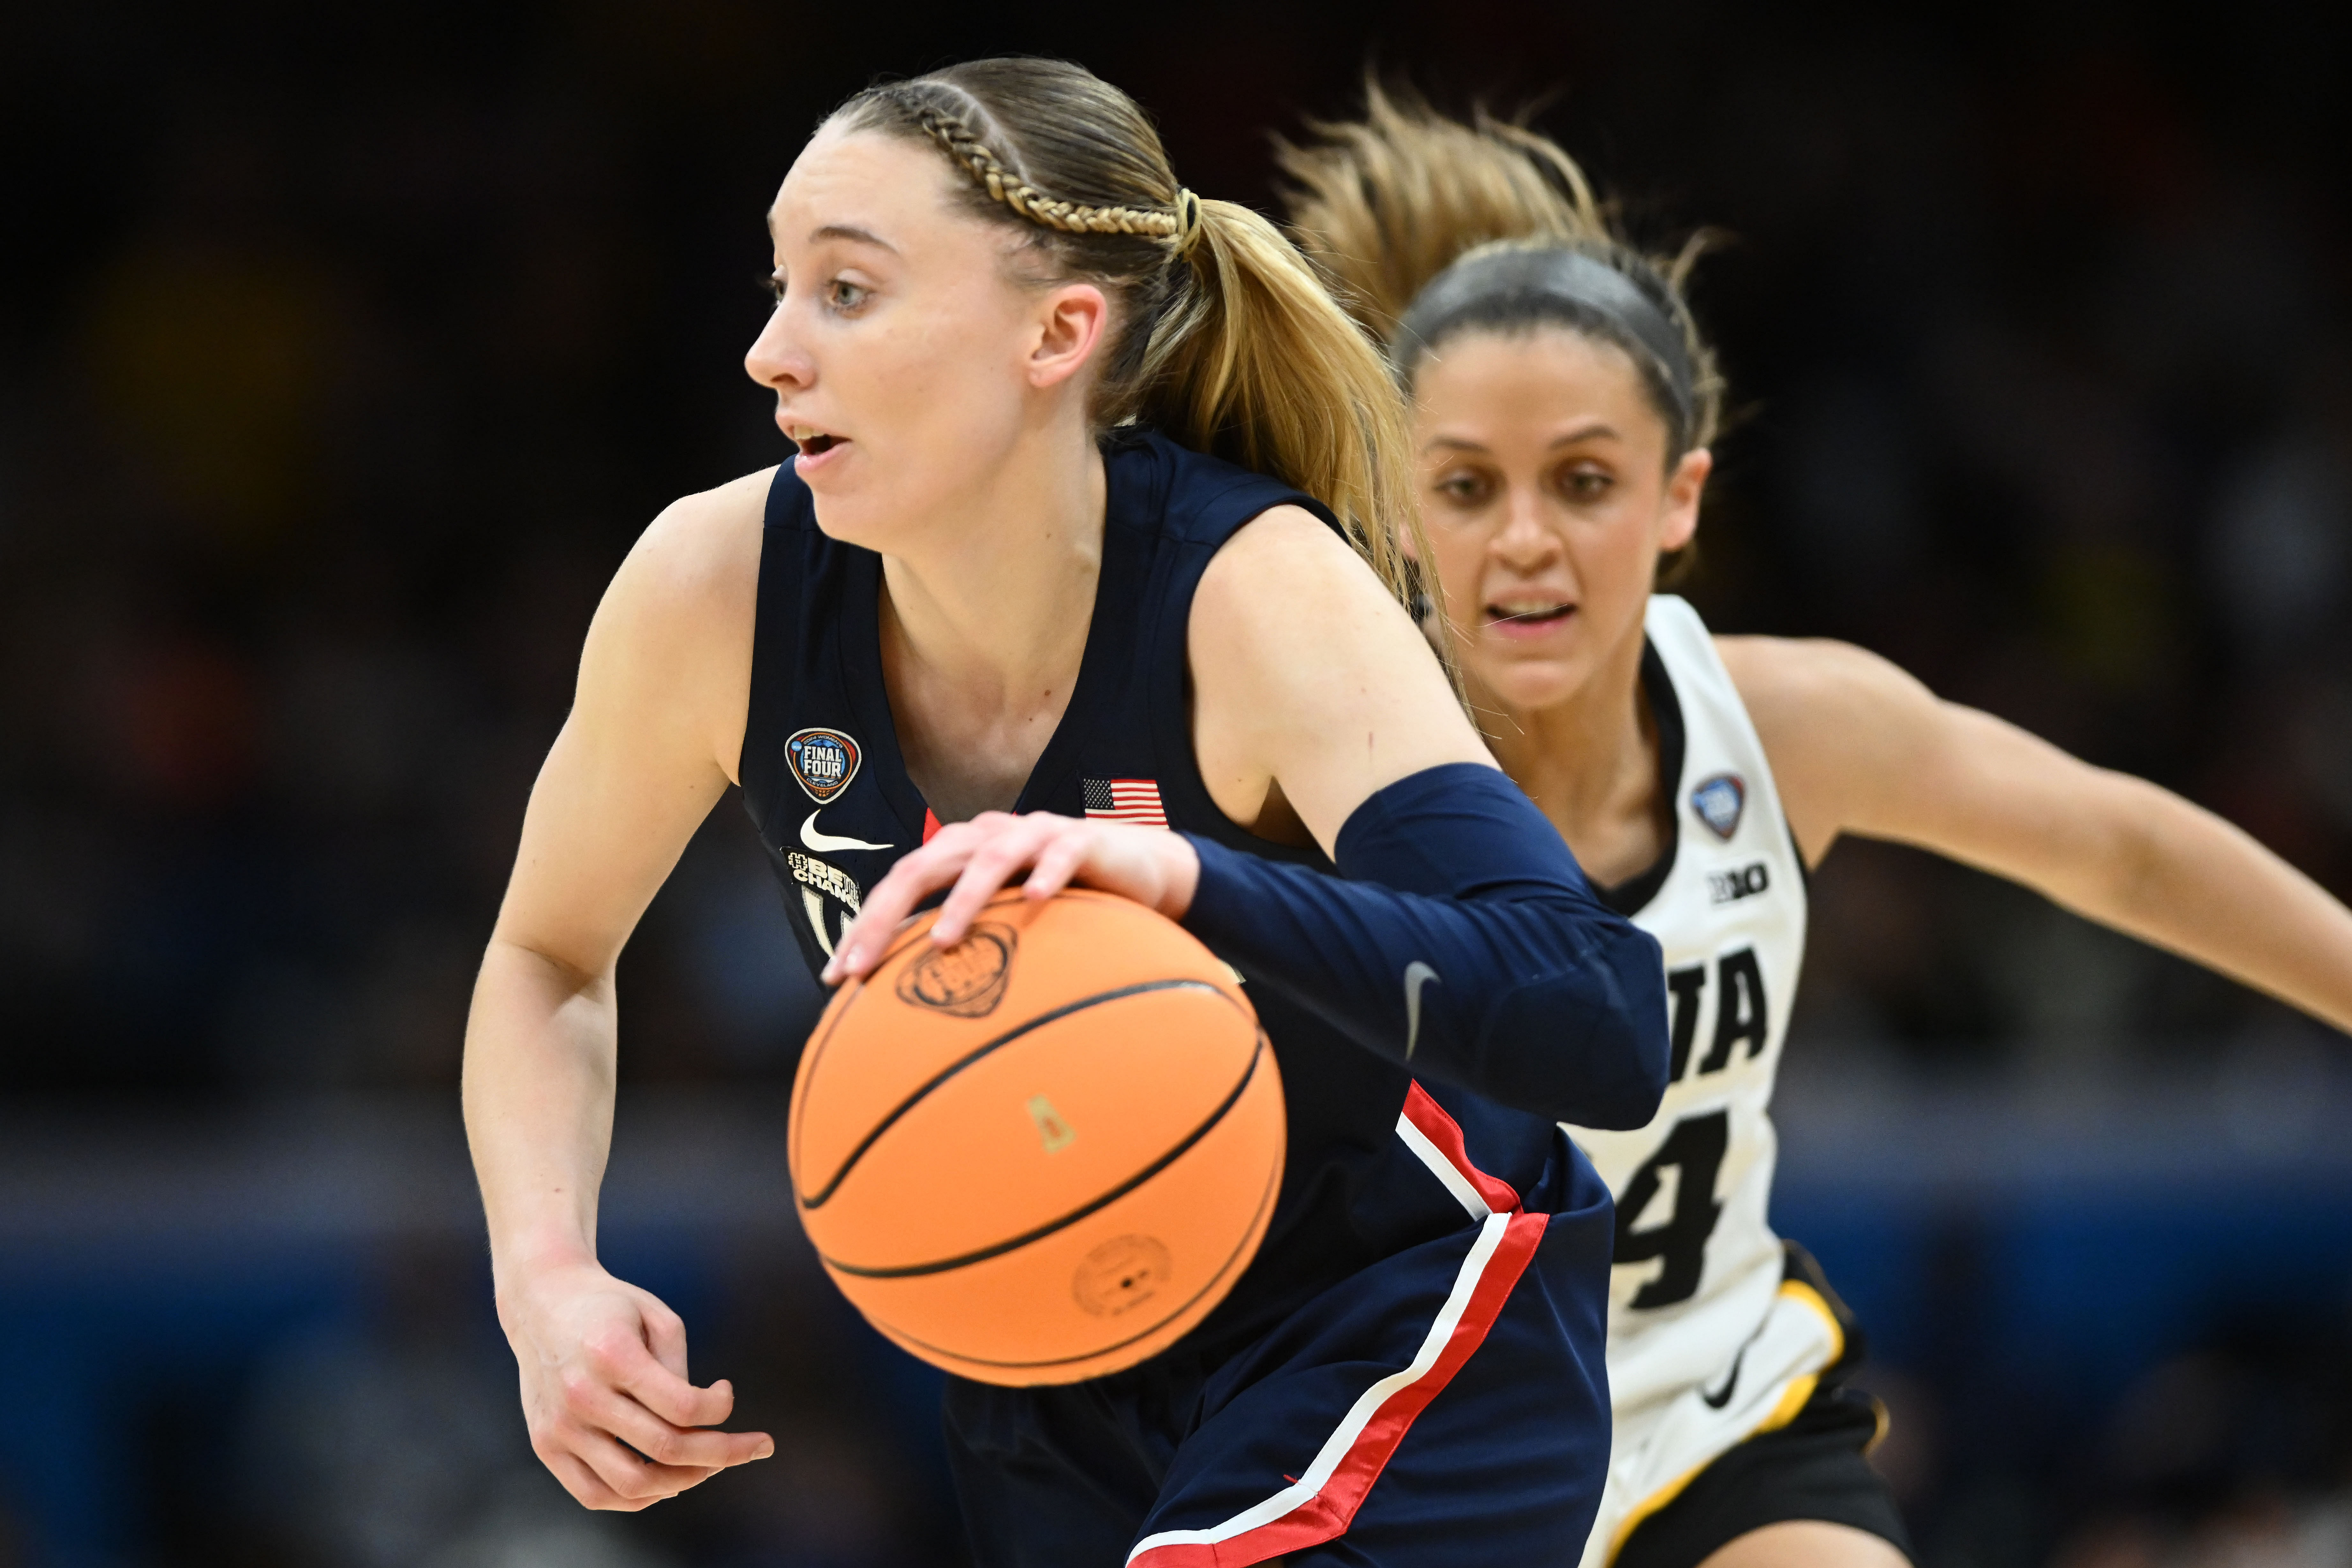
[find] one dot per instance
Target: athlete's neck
(984, 626)
(1590, 763)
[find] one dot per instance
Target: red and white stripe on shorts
(1323, 1502)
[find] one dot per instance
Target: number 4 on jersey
(1695, 1150)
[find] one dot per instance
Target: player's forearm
(1462, 942)
(2203, 887)
(539, 1053)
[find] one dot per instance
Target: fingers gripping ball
(1046, 1152)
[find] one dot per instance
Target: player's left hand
(1150, 865)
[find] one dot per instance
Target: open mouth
(813, 442)
(1530, 614)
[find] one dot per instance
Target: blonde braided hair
(1225, 339)
(973, 155)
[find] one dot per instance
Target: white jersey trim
(1321, 1504)
(1343, 1436)
(1429, 1155)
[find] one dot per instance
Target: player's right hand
(605, 1389)
(1157, 869)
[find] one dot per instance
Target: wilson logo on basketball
(1121, 1275)
(966, 980)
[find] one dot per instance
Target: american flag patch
(1126, 799)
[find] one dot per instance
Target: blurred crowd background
(344, 351)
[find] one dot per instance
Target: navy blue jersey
(824, 782)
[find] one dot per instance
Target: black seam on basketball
(812, 1053)
(953, 1067)
(910, 1271)
(1265, 1202)
(1191, 1301)
(911, 930)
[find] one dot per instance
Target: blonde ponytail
(1256, 365)
(1386, 204)
(1226, 339)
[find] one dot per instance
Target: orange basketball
(1043, 1153)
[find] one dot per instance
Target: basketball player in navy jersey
(1564, 400)
(1004, 587)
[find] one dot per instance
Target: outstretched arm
(1858, 746)
(657, 722)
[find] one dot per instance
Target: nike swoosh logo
(822, 842)
(1416, 975)
(1717, 1401)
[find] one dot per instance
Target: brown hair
(1385, 203)
(1224, 337)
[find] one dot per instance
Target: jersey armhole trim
(774, 674)
(1185, 558)
(1795, 850)
(1633, 895)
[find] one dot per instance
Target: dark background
(344, 351)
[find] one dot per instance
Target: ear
(1683, 487)
(1070, 322)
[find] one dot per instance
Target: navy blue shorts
(1452, 1395)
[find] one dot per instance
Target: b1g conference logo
(825, 761)
(1720, 801)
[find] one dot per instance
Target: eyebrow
(1568, 439)
(853, 234)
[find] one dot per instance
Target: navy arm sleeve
(1461, 940)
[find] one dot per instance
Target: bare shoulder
(1277, 548)
(1798, 689)
(1838, 723)
(671, 642)
(1310, 675)
(1284, 581)
(1288, 605)
(703, 550)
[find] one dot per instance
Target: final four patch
(1720, 801)
(825, 761)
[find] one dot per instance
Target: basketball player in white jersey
(1564, 404)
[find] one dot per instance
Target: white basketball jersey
(1705, 1345)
